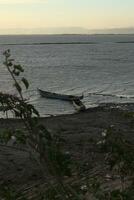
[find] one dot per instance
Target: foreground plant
(119, 156)
(37, 137)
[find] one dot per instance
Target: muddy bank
(19, 170)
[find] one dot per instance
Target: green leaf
(5, 136)
(19, 67)
(25, 82)
(20, 136)
(10, 64)
(7, 53)
(16, 72)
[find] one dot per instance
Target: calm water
(100, 66)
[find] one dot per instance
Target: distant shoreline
(63, 43)
(51, 43)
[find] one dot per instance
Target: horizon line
(25, 34)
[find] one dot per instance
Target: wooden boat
(79, 106)
(53, 95)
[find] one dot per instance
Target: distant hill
(67, 30)
(51, 30)
(113, 31)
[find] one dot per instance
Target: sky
(61, 14)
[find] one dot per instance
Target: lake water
(99, 66)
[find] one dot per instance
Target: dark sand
(17, 169)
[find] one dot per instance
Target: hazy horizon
(66, 30)
(64, 16)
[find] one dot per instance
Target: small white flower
(12, 141)
(104, 133)
(101, 142)
(112, 126)
(83, 187)
(108, 176)
(67, 153)
(13, 137)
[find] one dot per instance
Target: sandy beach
(78, 130)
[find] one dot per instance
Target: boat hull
(58, 96)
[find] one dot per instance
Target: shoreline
(129, 106)
(16, 123)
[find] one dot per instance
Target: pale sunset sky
(88, 14)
